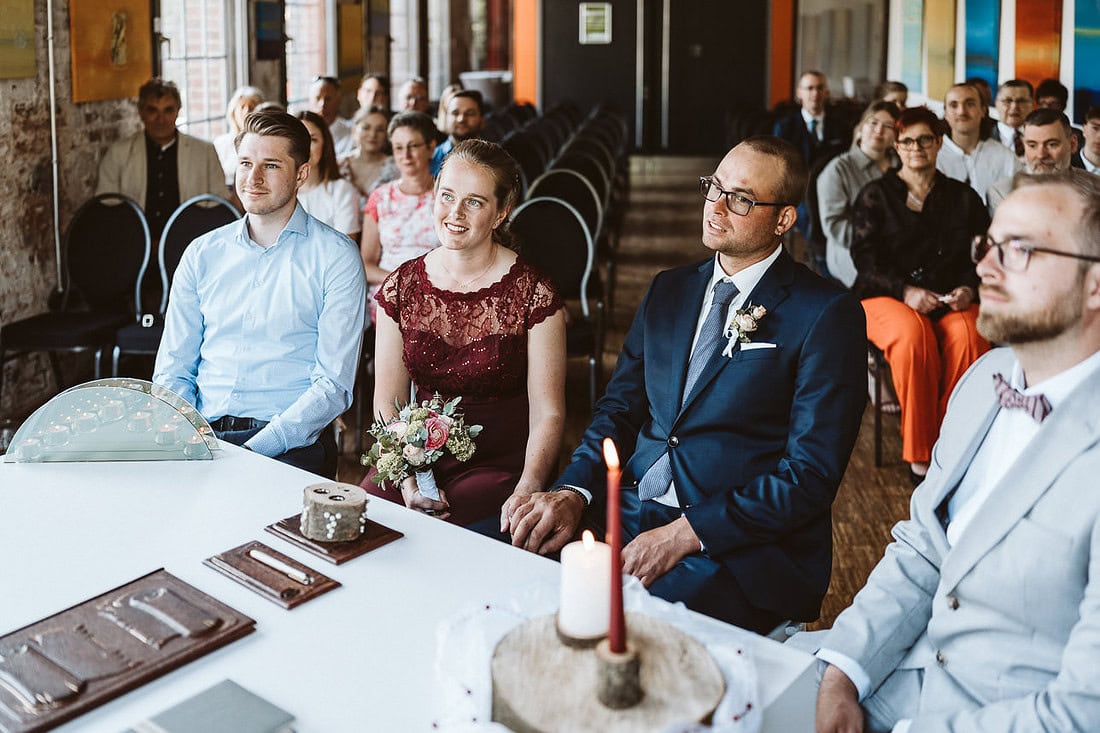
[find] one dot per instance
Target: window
(197, 53)
(307, 51)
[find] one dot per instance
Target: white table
(396, 594)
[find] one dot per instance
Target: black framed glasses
(912, 143)
(735, 202)
(1014, 255)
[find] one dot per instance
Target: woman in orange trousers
(911, 248)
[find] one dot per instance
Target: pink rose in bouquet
(439, 429)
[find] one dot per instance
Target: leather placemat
(275, 586)
(336, 553)
(66, 664)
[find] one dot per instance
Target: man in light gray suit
(984, 614)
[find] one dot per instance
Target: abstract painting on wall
(912, 43)
(983, 36)
(939, 43)
(112, 48)
(1086, 57)
(16, 39)
(1038, 39)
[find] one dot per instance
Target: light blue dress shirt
(268, 333)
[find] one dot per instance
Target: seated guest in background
(324, 100)
(362, 167)
(441, 120)
(241, 104)
(1049, 146)
(324, 194)
(397, 220)
(1090, 153)
(1015, 101)
(982, 614)
(989, 125)
(413, 96)
(374, 91)
(160, 167)
(964, 155)
(845, 176)
(911, 248)
(465, 118)
(1053, 94)
(264, 325)
(471, 320)
(733, 448)
(892, 91)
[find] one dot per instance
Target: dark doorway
(717, 69)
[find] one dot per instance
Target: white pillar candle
(585, 588)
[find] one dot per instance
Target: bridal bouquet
(415, 438)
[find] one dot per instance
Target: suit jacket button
(673, 441)
(940, 658)
(953, 603)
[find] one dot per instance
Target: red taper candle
(616, 635)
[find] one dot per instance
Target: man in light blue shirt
(265, 320)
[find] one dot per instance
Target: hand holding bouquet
(416, 437)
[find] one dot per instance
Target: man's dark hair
(473, 94)
(1048, 116)
(1052, 88)
(1092, 113)
(278, 124)
(1018, 83)
(156, 88)
(792, 184)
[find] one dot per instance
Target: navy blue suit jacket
(761, 444)
(792, 128)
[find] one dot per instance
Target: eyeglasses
(912, 143)
(735, 202)
(411, 147)
(1014, 255)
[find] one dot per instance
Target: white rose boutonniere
(743, 322)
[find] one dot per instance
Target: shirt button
(673, 441)
(953, 603)
(940, 658)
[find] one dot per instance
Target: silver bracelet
(556, 489)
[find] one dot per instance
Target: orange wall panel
(525, 47)
(782, 52)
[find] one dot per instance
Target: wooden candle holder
(618, 682)
(541, 685)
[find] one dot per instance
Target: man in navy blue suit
(735, 402)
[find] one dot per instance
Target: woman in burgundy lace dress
(470, 319)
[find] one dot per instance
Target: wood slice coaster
(542, 686)
(270, 583)
(376, 535)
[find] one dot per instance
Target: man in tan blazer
(984, 614)
(160, 167)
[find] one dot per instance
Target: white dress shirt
(1093, 169)
(990, 161)
(1007, 135)
(819, 131)
(336, 203)
(1008, 437)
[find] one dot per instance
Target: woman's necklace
(471, 281)
(915, 202)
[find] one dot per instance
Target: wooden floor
(662, 230)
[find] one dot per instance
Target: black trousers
(319, 457)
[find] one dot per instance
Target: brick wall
(27, 261)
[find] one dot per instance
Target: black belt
(228, 423)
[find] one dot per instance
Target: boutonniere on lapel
(743, 322)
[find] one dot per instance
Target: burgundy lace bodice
(472, 345)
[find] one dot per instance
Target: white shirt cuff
(902, 726)
(850, 667)
(583, 492)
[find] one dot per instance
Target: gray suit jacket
(123, 168)
(1006, 623)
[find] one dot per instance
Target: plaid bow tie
(1036, 405)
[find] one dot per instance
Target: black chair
(575, 189)
(555, 240)
(589, 167)
(105, 246)
(193, 218)
(528, 154)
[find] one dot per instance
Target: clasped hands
(543, 522)
(925, 301)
